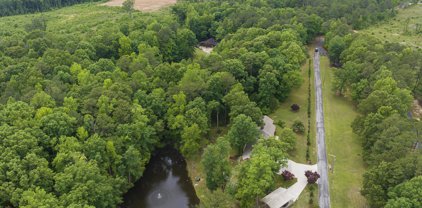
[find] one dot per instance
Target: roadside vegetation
(343, 145)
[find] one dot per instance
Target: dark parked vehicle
(316, 49)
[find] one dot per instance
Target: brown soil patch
(144, 5)
(416, 110)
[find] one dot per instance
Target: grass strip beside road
(346, 181)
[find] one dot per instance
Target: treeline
(357, 13)
(382, 79)
(14, 7)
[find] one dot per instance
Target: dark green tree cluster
(381, 78)
(256, 175)
(357, 13)
(80, 114)
(12, 7)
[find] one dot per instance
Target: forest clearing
(405, 28)
(144, 5)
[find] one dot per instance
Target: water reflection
(165, 184)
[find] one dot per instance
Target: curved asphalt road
(324, 192)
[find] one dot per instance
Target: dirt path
(144, 5)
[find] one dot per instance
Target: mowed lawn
(339, 112)
(283, 112)
(393, 30)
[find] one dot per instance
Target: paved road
(324, 192)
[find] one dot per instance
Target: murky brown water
(165, 184)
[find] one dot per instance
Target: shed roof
(269, 128)
(208, 43)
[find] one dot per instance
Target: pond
(165, 183)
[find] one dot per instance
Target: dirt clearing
(144, 5)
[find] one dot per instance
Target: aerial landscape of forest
(210, 103)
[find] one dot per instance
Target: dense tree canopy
(84, 104)
(77, 97)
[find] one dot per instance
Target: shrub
(295, 107)
(308, 140)
(307, 153)
(298, 127)
(287, 175)
(312, 176)
(281, 123)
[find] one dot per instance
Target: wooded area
(382, 79)
(84, 102)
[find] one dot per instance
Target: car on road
(316, 49)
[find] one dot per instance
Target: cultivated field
(144, 5)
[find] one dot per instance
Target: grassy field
(341, 142)
(83, 19)
(394, 29)
(144, 5)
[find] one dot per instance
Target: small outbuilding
(208, 43)
(268, 129)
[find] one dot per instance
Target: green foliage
(281, 123)
(384, 99)
(191, 138)
(242, 131)
(257, 174)
(215, 161)
(298, 127)
(27, 6)
(38, 198)
(386, 93)
(82, 184)
(239, 103)
(125, 46)
(288, 137)
(336, 46)
(128, 5)
(88, 92)
(193, 83)
(217, 199)
(379, 180)
(134, 163)
(407, 194)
